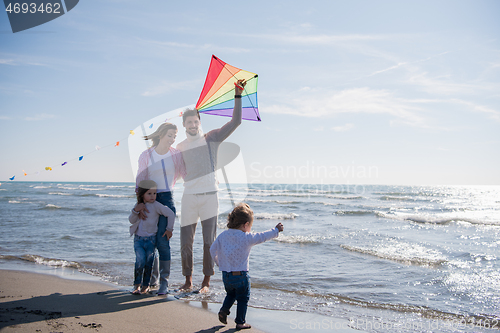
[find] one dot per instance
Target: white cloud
(166, 87)
(388, 69)
(322, 39)
(493, 114)
(21, 61)
(211, 47)
(321, 103)
(7, 62)
(343, 128)
(38, 117)
(495, 65)
(442, 85)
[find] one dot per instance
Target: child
(145, 233)
(231, 251)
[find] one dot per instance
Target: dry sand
(32, 302)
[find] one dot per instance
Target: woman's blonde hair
(240, 215)
(160, 132)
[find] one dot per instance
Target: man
(200, 199)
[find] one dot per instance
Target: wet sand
(32, 302)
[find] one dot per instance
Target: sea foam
(402, 252)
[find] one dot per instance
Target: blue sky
(359, 92)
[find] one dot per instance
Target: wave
(9, 257)
(67, 188)
(412, 254)
(397, 198)
(477, 222)
(414, 218)
(345, 197)
(433, 219)
(114, 196)
(111, 212)
(406, 194)
(275, 216)
(15, 201)
(392, 193)
(311, 239)
(294, 188)
(49, 261)
(280, 202)
(87, 267)
(100, 195)
(70, 238)
(331, 298)
(327, 203)
(51, 207)
(354, 212)
(283, 202)
(282, 194)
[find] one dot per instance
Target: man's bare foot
(188, 285)
(144, 290)
(205, 285)
(203, 290)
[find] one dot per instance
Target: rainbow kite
(218, 92)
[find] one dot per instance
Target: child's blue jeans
(237, 289)
(162, 243)
(144, 256)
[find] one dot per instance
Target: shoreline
(45, 299)
(45, 303)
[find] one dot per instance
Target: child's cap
(147, 184)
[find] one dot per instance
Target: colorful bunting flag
(116, 144)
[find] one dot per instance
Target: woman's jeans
(237, 289)
(162, 243)
(144, 256)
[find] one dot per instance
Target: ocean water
(386, 258)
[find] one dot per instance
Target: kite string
(80, 158)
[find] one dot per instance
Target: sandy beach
(70, 302)
(32, 302)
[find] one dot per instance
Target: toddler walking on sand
(144, 232)
(231, 251)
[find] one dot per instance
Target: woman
(163, 164)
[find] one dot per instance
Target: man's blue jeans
(144, 256)
(237, 289)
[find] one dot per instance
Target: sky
(350, 92)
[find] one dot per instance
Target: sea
(384, 258)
